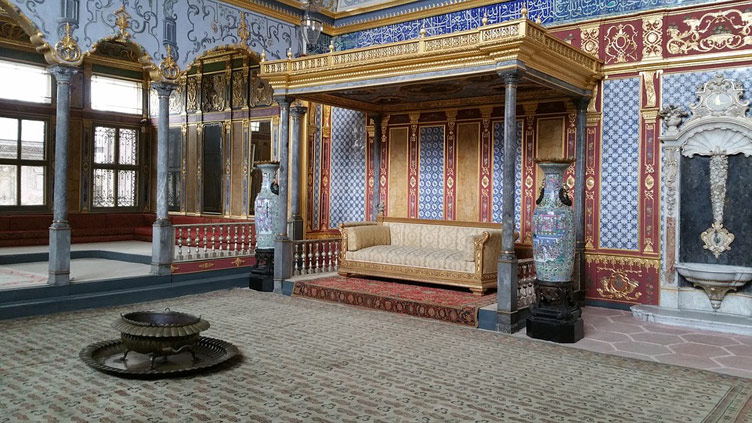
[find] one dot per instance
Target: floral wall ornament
(618, 286)
(169, 68)
(67, 49)
(620, 44)
(122, 20)
(652, 37)
(243, 32)
(729, 29)
(718, 239)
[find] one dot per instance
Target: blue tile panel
(348, 178)
(681, 88)
(549, 11)
(620, 168)
(498, 176)
(317, 168)
(431, 176)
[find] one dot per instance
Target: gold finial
(423, 30)
(169, 67)
(243, 32)
(122, 20)
(289, 52)
(331, 47)
(67, 49)
(538, 20)
(485, 18)
(263, 56)
(523, 12)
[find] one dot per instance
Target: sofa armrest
(357, 235)
(487, 250)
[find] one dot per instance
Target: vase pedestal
(262, 273)
(556, 317)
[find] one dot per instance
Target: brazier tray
(106, 356)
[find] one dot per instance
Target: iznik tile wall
(550, 11)
(620, 164)
(498, 177)
(348, 183)
(431, 179)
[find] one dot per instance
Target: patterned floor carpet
(449, 305)
(311, 361)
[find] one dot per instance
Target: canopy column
(377, 133)
(506, 280)
(579, 193)
(296, 219)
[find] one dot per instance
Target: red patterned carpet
(448, 305)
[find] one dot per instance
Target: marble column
(162, 234)
(282, 243)
(507, 315)
(579, 193)
(296, 219)
(60, 231)
(376, 164)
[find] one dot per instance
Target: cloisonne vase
(553, 226)
(266, 207)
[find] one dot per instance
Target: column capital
(582, 103)
(376, 118)
(284, 101)
(164, 89)
(512, 76)
(298, 111)
(62, 73)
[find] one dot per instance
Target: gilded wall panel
(237, 171)
(191, 162)
(468, 142)
(398, 138)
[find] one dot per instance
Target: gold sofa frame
(478, 282)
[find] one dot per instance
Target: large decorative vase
(553, 226)
(266, 208)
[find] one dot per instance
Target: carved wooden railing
(525, 283)
(213, 240)
(311, 256)
(487, 37)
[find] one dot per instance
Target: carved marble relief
(177, 99)
(715, 129)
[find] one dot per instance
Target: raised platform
(102, 274)
(445, 304)
(702, 320)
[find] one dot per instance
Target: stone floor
(22, 275)
(617, 332)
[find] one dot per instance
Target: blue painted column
(507, 315)
(163, 235)
(60, 231)
(579, 193)
(282, 243)
(376, 199)
(296, 219)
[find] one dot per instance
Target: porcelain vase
(266, 207)
(553, 227)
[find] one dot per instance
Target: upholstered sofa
(440, 252)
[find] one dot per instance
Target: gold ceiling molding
(492, 45)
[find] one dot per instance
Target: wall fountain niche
(708, 199)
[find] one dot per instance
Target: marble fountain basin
(715, 279)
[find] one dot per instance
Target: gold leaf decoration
(67, 49)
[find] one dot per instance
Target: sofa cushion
(434, 236)
(360, 237)
(430, 258)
